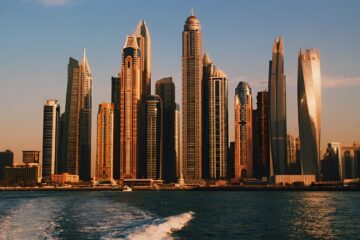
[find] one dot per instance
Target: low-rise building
(6, 160)
(307, 180)
(22, 174)
(64, 178)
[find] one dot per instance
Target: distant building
(23, 174)
(192, 100)
(332, 167)
(165, 89)
(293, 157)
(350, 157)
(309, 109)
(104, 150)
(307, 180)
(261, 148)
(179, 163)
(6, 160)
(153, 136)
(50, 138)
(277, 108)
(243, 131)
(31, 157)
(215, 121)
(64, 178)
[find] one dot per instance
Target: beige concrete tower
(104, 151)
(130, 92)
(192, 99)
(243, 131)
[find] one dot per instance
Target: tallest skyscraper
(192, 99)
(277, 105)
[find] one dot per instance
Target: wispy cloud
(340, 82)
(52, 3)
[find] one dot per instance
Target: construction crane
(262, 83)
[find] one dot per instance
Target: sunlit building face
(309, 109)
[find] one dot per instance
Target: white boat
(127, 189)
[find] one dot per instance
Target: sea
(179, 215)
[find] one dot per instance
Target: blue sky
(38, 36)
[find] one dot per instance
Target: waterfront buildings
(261, 147)
(165, 89)
(22, 174)
(6, 160)
(50, 138)
(243, 131)
(332, 167)
(215, 121)
(192, 99)
(115, 100)
(153, 136)
(350, 156)
(130, 101)
(230, 161)
(277, 105)
(309, 109)
(104, 151)
(76, 143)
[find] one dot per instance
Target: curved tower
(192, 99)
(309, 109)
(243, 131)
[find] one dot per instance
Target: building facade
(165, 89)
(192, 99)
(332, 167)
(6, 160)
(277, 106)
(130, 102)
(179, 162)
(243, 131)
(215, 121)
(309, 109)
(115, 100)
(153, 136)
(105, 142)
(50, 138)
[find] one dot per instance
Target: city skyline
(103, 82)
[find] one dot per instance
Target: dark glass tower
(115, 100)
(277, 105)
(165, 88)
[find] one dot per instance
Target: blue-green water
(179, 215)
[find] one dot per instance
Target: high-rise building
(85, 119)
(332, 167)
(50, 138)
(130, 101)
(165, 88)
(261, 147)
(215, 121)
(192, 99)
(350, 159)
(76, 139)
(243, 131)
(60, 165)
(293, 157)
(309, 109)
(179, 163)
(6, 160)
(115, 100)
(104, 151)
(153, 136)
(277, 105)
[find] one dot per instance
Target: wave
(162, 229)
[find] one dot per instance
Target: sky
(37, 37)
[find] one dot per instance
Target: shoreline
(191, 188)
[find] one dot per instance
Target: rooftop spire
(85, 62)
(192, 11)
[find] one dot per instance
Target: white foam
(164, 229)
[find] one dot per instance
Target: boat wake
(162, 228)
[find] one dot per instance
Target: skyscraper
(70, 145)
(104, 151)
(85, 119)
(309, 109)
(153, 136)
(130, 100)
(261, 147)
(243, 131)
(293, 158)
(179, 162)
(165, 88)
(215, 121)
(277, 105)
(332, 167)
(50, 138)
(231, 161)
(192, 99)
(115, 100)
(76, 142)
